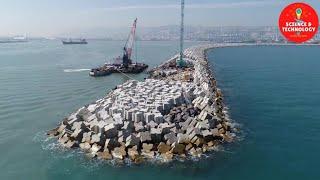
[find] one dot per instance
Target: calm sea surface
(273, 92)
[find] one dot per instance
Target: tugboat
(125, 65)
(70, 41)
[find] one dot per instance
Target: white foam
(75, 70)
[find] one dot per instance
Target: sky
(60, 17)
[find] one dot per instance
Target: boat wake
(75, 70)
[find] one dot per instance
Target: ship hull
(109, 69)
(74, 42)
(13, 41)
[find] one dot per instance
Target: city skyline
(63, 18)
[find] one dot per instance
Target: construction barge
(107, 69)
(124, 64)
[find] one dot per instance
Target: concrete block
(149, 155)
(110, 144)
(139, 116)
(163, 148)
(183, 138)
(133, 153)
(95, 148)
(98, 138)
(78, 125)
(158, 118)
(119, 152)
(178, 148)
(215, 132)
(149, 117)
(85, 146)
(104, 155)
(207, 135)
(132, 140)
(166, 127)
(155, 135)
(171, 138)
(110, 131)
(144, 136)
(71, 144)
(147, 147)
(103, 114)
(139, 127)
(86, 137)
(77, 135)
(152, 124)
(95, 129)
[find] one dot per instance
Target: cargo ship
(70, 41)
(122, 64)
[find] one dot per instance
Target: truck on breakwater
(174, 113)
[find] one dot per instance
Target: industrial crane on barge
(126, 66)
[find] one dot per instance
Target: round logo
(298, 22)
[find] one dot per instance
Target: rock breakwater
(173, 113)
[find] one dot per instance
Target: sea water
(272, 92)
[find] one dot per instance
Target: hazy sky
(57, 17)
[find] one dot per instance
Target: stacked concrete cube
(157, 117)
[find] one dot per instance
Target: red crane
(127, 50)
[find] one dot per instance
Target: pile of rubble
(155, 118)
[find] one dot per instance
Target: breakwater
(173, 113)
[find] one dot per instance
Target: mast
(180, 62)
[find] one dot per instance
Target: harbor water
(272, 92)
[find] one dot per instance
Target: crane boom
(131, 38)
